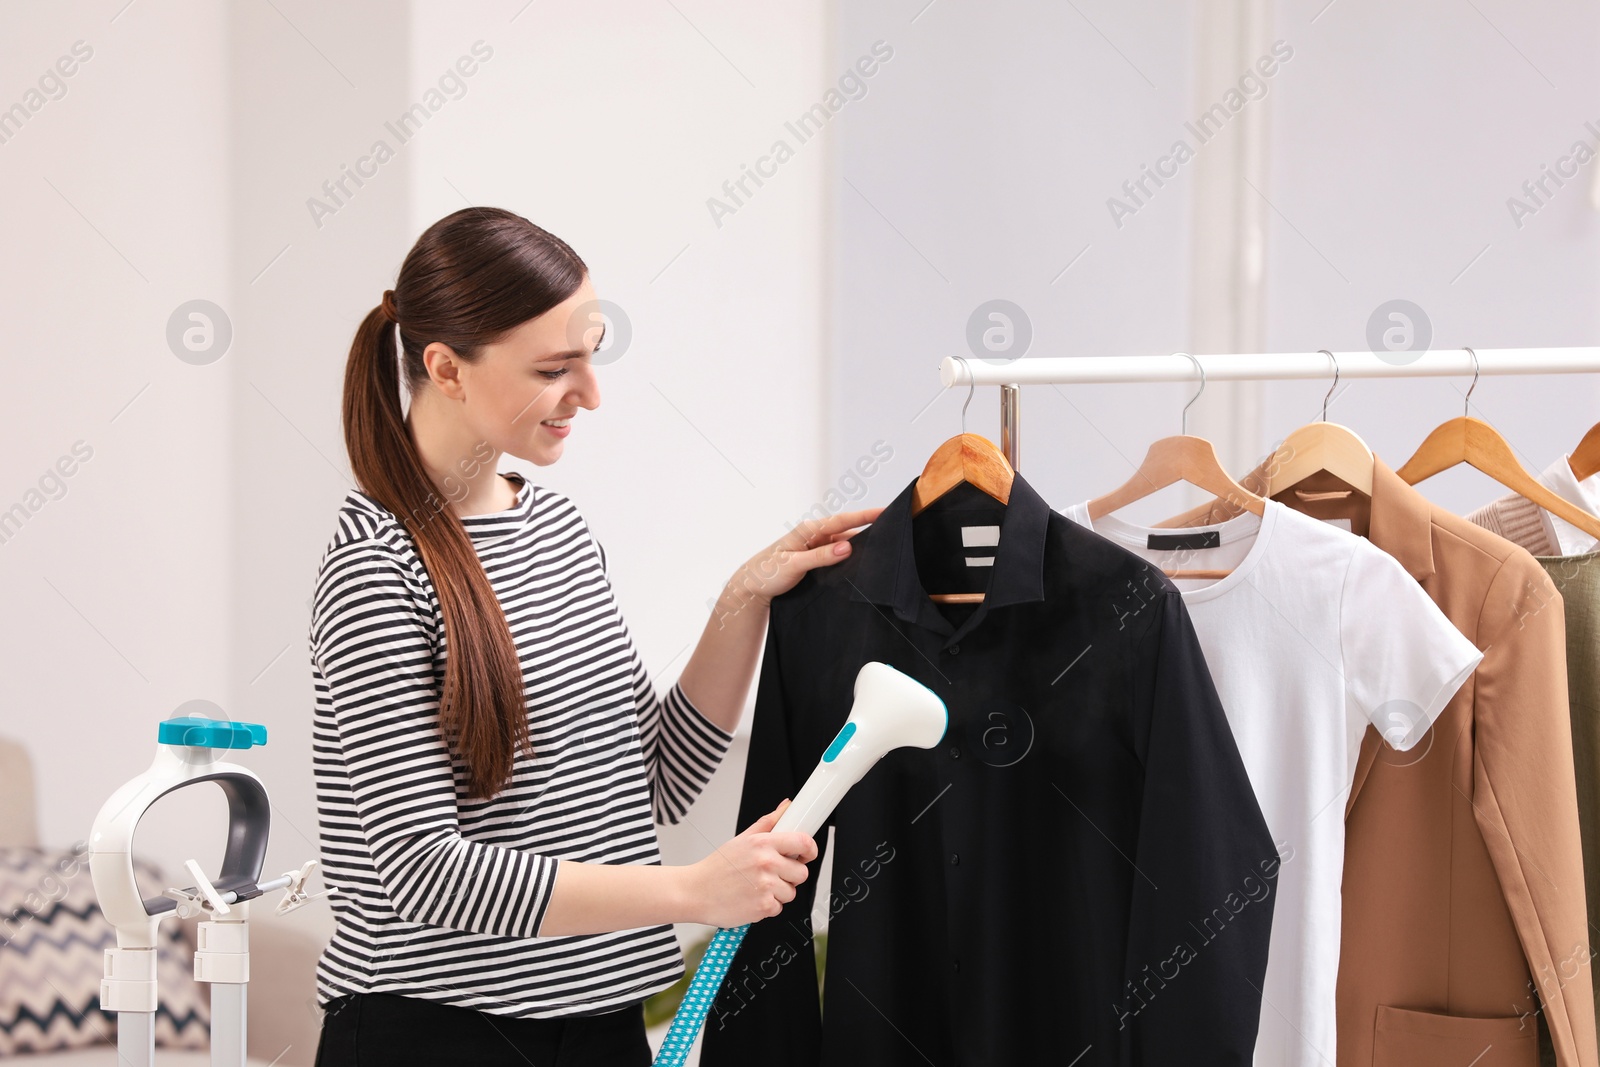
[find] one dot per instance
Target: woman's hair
(471, 278)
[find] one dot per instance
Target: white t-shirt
(1314, 634)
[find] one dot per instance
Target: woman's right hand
(752, 876)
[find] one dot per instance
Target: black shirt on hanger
(1079, 871)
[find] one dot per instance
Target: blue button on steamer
(839, 742)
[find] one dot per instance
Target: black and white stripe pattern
(439, 896)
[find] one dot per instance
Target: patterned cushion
(52, 950)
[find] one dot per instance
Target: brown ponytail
(471, 278)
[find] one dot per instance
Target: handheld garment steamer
(891, 710)
(186, 754)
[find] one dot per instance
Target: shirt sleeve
(771, 988)
(1205, 866)
(1403, 658)
(373, 643)
(682, 748)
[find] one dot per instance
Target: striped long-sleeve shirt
(439, 896)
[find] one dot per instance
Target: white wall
(1400, 133)
(116, 208)
(978, 167)
(981, 163)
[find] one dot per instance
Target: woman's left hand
(777, 568)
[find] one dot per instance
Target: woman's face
(542, 372)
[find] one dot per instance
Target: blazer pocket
(1406, 1038)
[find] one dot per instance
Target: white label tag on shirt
(976, 536)
(1343, 524)
(980, 561)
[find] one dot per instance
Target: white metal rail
(1260, 366)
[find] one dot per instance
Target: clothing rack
(1261, 366)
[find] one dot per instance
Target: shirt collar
(886, 573)
(1401, 521)
(1559, 479)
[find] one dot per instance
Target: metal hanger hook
(1196, 396)
(972, 385)
(1466, 403)
(1332, 387)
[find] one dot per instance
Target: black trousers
(386, 1030)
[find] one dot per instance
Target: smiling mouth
(559, 423)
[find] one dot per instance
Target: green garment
(1577, 579)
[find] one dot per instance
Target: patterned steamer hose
(697, 998)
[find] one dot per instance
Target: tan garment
(1577, 579)
(1463, 874)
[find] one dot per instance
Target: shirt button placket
(954, 932)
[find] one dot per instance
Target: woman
(488, 816)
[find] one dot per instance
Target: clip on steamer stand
(891, 710)
(186, 755)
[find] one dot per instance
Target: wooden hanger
(1323, 446)
(970, 458)
(1474, 442)
(1585, 459)
(967, 457)
(1312, 449)
(1181, 459)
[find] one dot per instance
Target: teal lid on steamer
(196, 732)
